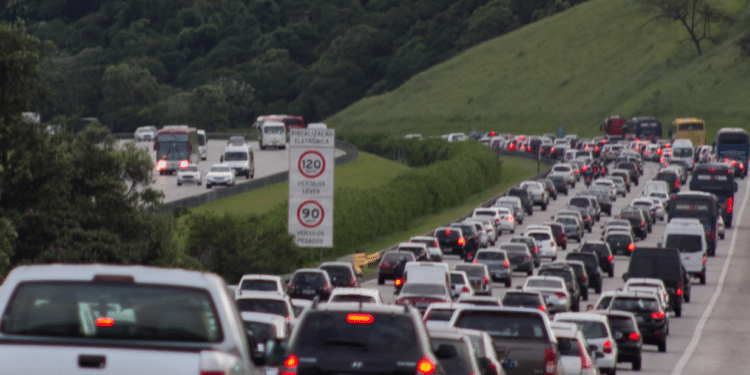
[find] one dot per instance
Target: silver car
(553, 288)
(515, 203)
(189, 175)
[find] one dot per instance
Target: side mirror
(446, 351)
(275, 352)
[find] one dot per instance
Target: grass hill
(594, 60)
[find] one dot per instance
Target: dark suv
(355, 338)
(591, 260)
(603, 252)
(526, 201)
(637, 221)
(632, 169)
(392, 265)
(653, 321)
(473, 241)
(624, 327)
(451, 240)
(571, 280)
(664, 264)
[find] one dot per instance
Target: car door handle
(92, 361)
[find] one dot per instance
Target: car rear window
(424, 289)
(262, 332)
(335, 333)
(500, 324)
(521, 300)
(685, 243)
(634, 304)
(565, 274)
(315, 280)
(338, 271)
(470, 270)
(561, 169)
(457, 278)
(540, 236)
(447, 235)
(621, 323)
(591, 330)
(395, 256)
(618, 238)
(268, 306)
(543, 284)
(259, 285)
(352, 298)
(494, 255)
(112, 311)
(459, 364)
(568, 347)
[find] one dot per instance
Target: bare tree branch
(695, 15)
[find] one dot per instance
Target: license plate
(308, 291)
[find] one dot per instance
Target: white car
(489, 227)
(220, 174)
(433, 246)
(553, 288)
(608, 183)
(189, 175)
(638, 282)
(650, 205)
(661, 196)
(538, 193)
(359, 295)
(515, 202)
(565, 170)
(595, 328)
(545, 239)
(269, 303)
(439, 314)
(145, 133)
(573, 347)
(507, 219)
(260, 283)
(460, 284)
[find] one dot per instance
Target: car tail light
(385, 266)
(634, 336)
(552, 243)
(398, 282)
(679, 288)
(677, 184)
(561, 295)
(610, 258)
(509, 218)
(657, 315)
(465, 290)
(596, 148)
(584, 278)
(360, 318)
(607, 346)
(712, 232)
(352, 282)
(461, 241)
(542, 308)
(290, 365)
(425, 366)
(184, 164)
(506, 264)
(585, 168)
(475, 261)
(642, 224)
(327, 288)
(161, 165)
(469, 255)
(730, 204)
(704, 259)
(484, 280)
(290, 286)
(552, 149)
(631, 247)
(550, 362)
(535, 249)
(585, 363)
(497, 220)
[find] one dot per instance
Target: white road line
(680, 366)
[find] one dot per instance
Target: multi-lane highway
(267, 162)
(711, 336)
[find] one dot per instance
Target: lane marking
(698, 332)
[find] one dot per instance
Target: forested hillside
(219, 64)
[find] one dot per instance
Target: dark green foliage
(306, 57)
(744, 44)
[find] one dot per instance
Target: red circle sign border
(322, 214)
(322, 159)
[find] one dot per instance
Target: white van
(687, 236)
(202, 144)
(272, 134)
(427, 272)
(655, 185)
(241, 159)
(682, 149)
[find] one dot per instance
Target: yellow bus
(693, 129)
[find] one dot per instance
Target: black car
(591, 261)
(620, 243)
(451, 240)
(632, 169)
(355, 338)
(571, 282)
(664, 264)
(473, 241)
(526, 200)
(308, 283)
(638, 221)
(671, 178)
(392, 265)
(653, 321)
(561, 185)
(342, 274)
(624, 327)
(581, 276)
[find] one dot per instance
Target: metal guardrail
(197, 200)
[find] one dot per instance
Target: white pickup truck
(75, 319)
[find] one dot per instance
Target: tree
(696, 16)
(208, 107)
(127, 90)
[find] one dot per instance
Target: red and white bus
(176, 147)
(290, 122)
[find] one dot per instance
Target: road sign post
(311, 165)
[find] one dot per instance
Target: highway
(267, 162)
(711, 336)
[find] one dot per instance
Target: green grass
(515, 170)
(366, 170)
(594, 60)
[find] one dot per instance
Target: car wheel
(663, 346)
(508, 283)
(687, 297)
(200, 183)
(598, 288)
(208, 186)
(544, 207)
(530, 271)
(577, 306)
(636, 364)
(381, 280)
(702, 278)
(179, 183)
(586, 296)
(678, 311)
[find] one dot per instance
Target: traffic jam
(580, 270)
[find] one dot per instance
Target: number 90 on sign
(311, 164)
(310, 214)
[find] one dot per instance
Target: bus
(697, 205)
(717, 179)
(693, 129)
(644, 128)
(732, 145)
(612, 127)
(176, 147)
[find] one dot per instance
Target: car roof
(371, 292)
(259, 276)
(252, 316)
(270, 295)
(581, 316)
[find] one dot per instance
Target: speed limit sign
(311, 164)
(310, 214)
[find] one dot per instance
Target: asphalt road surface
(713, 333)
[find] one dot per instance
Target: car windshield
(112, 311)
(235, 156)
(262, 332)
(459, 364)
(268, 306)
(274, 130)
(424, 289)
(504, 324)
(259, 285)
(472, 271)
(634, 304)
(334, 333)
(442, 315)
(541, 283)
(682, 152)
(220, 169)
(565, 274)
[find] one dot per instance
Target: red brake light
(476, 261)
(634, 336)
(352, 282)
(161, 165)
(631, 247)
(461, 241)
(385, 266)
(585, 278)
(677, 183)
(484, 280)
(679, 292)
(447, 232)
(730, 204)
(550, 362)
(425, 366)
(184, 164)
(560, 295)
(542, 308)
(585, 363)
(585, 168)
(360, 318)
(610, 258)
(436, 244)
(509, 218)
(105, 322)
(398, 282)
(291, 362)
(465, 289)
(607, 346)
(506, 264)
(657, 315)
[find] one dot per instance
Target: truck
(613, 127)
